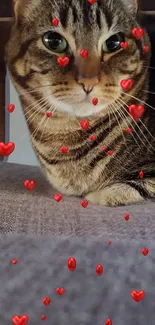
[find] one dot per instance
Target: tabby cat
(100, 151)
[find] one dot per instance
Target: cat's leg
(124, 193)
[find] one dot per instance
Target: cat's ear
(132, 5)
(18, 7)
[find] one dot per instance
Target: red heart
(137, 295)
(92, 1)
(126, 216)
(58, 197)
(84, 204)
(99, 269)
(109, 242)
(6, 149)
(43, 317)
(108, 322)
(29, 185)
(64, 149)
(95, 101)
(110, 153)
(146, 48)
(92, 137)
(84, 54)
(55, 22)
(11, 108)
(124, 45)
(46, 301)
(141, 174)
(128, 130)
(72, 264)
(60, 291)
(84, 124)
(20, 320)
(136, 111)
(104, 148)
(63, 61)
(127, 84)
(14, 261)
(145, 251)
(138, 33)
(48, 114)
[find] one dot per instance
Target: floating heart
(124, 45)
(84, 204)
(108, 322)
(72, 264)
(58, 197)
(99, 269)
(126, 216)
(46, 301)
(60, 291)
(20, 320)
(128, 130)
(138, 33)
(11, 108)
(84, 54)
(92, 1)
(55, 22)
(92, 137)
(104, 148)
(109, 242)
(127, 84)
(84, 124)
(64, 149)
(141, 174)
(43, 317)
(137, 295)
(6, 148)
(29, 185)
(145, 251)
(146, 48)
(63, 61)
(14, 261)
(48, 114)
(110, 152)
(136, 111)
(95, 101)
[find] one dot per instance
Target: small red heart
(63, 61)
(95, 101)
(43, 317)
(58, 197)
(145, 251)
(141, 174)
(6, 148)
(20, 320)
(108, 322)
(137, 295)
(84, 204)
(138, 33)
(14, 261)
(110, 153)
(126, 216)
(48, 114)
(136, 111)
(109, 242)
(124, 45)
(99, 269)
(55, 22)
(84, 54)
(72, 264)
(92, 1)
(92, 137)
(30, 185)
(127, 84)
(84, 124)
(46, 301)
(11, 108)
(60, 291)
(64, 149)
(146, 48)
(128, 130)
(104, 148)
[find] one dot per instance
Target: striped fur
(43, 86)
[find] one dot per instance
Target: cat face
(100, 28)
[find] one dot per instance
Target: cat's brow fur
(43, 85)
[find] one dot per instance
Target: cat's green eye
(113, 43)
(55, 42)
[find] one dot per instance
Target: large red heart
(84, 54)
(30, 185)
(60, 291)
(84, 124)
(57, 197)
(92, 1)
(6, 148)
(138, 33)
(145, 251)
(20, 320)
(72, 264)
(127, 84)
(63, 61)
(108, 321)
(124, 45)
(137, 295)
(46, 301)
(136, 111)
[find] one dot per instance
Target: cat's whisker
(113, 111)
(145, 66)
(149, 92)
(46, 123)
(139, 100)
(41, 101)
(38, 127)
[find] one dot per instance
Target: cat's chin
(79, 109)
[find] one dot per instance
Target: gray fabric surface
(88, 298)
(37, 212)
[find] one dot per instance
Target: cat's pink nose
(88, 83)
